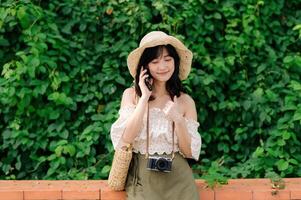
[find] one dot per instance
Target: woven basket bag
(119, 170)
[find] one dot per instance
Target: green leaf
(281, 142)
(208, 79)
(271, 96)
(34, 62)
(82, 27)
(217, 15)
(288, 59)
(293, 161)
(4, 42)
(40, 89)
(18, 164)
(64, 134)
(53, 114)
(247, 104)
(31, 71)
(261, 68)
(106, 169)
(295, 85)
(230, 60)
(58, 151)
(286, 135)
(120, 80)
(297, 115)
(23, 17)
(282, 165)
(258, 95)
(259, 152)
(60, 98)
(297, 27)
(70, 149)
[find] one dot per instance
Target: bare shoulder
(128, 97)
(185, 98)
(187, 105)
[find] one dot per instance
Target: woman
(159, 120)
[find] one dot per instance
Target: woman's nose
(162, 64)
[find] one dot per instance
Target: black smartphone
(147, 81)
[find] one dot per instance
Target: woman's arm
(135, 122)
(173, 111)
(180, 126)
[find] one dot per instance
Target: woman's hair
(174, 84)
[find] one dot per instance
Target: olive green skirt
(144, 184)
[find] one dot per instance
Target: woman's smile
(162, 73)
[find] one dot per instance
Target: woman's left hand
(172, 110)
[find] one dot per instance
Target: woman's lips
(162, 73)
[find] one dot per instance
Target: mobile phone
(147, 81)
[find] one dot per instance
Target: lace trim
(151, 152)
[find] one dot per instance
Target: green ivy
(63, 70)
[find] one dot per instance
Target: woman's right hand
(145, 92)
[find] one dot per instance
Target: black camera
(157, 163)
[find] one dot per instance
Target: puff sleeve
(119, 125)
(196, 140)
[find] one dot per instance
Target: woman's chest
(160, 103)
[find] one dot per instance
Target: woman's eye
(154, 62)
(168, 60)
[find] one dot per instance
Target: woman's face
(162, 67)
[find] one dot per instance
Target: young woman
(159, 120)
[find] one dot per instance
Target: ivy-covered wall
(63, 70)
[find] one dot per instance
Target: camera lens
(161, 164)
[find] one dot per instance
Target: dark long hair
(174, 84)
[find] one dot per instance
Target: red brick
(108, 194)
(206, 194)
(296, 194)
(271, 195)
(11, 195)
(42, 194)
(225, 194)
(81, 194)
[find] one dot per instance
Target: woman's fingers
(143, 74)
(142, 71)
(142, 77)
(171, 110)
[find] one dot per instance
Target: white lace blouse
(160, 130)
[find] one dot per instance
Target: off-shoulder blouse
(160, 130)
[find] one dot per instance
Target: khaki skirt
(144, 184)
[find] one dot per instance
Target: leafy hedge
(63, 71)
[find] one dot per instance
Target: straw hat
(156, 38)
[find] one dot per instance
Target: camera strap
(147, 137)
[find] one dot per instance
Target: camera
(157, 163)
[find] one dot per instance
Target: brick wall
(237, 189)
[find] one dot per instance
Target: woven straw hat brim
(184, 54)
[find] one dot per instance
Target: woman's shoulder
(186, 99)
(128, 97)
(187, 105)
(129, 91)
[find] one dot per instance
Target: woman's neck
(160, 89)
